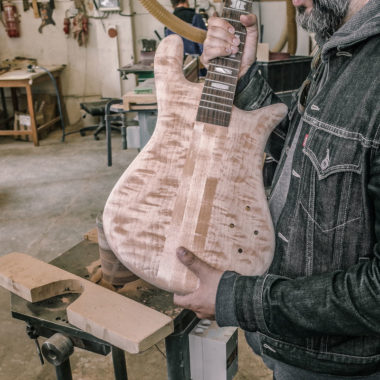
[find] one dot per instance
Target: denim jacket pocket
(332, 154)
(332, 175)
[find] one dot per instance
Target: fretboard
(220, 84)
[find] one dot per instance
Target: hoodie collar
(361, 26)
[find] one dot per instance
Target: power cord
(31, 68)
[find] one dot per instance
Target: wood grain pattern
(107, 315)
(194, 184)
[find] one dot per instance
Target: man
(316, 313)
(183, 11)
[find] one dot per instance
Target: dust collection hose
(173, 22)
(291, 27)
(192, 33)
(289, 33)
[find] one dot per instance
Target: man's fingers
(218, 51)
(218, 22)
(182, 301)
(197, 266)
(249, 21)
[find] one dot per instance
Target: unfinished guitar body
(196, 185)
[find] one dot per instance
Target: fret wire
(220, 82)
(231, 59)
(233, 9)
(225, 96)
(231, 19)
(216, 106)
(216, 72)
(247, 1)
(225, 75)
(219, 89)
(213, 109)
(224, 66)
(217, 96)
(214, 89)
(233, 15)
(221, 104)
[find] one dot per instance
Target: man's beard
(324, 19)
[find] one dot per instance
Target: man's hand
(221, 41)
(201, 300)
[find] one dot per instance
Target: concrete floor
(49, 198)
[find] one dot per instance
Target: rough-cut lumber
(107, 315)
(194, 184)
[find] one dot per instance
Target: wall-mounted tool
(46, 11)
(66, 25)
(12, 21)
(80, 28)
(25, 4)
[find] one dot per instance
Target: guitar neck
(220, 84)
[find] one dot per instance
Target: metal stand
(119, 365)
(108, 117)
(4, 106)
(177, 347)
(63, 371)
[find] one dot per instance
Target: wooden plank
(49, 123)
(33, 125)
(107, 315)
(13, 132)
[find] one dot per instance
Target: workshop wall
(91, 70)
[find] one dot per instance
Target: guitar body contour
(194, 184)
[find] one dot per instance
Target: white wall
(91, 71)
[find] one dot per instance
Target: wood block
(21, 122)
(263, 52)
(132, 98)
(91, 235)
(107, 315)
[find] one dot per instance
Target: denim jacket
(318, 306)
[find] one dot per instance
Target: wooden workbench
(23, 78)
